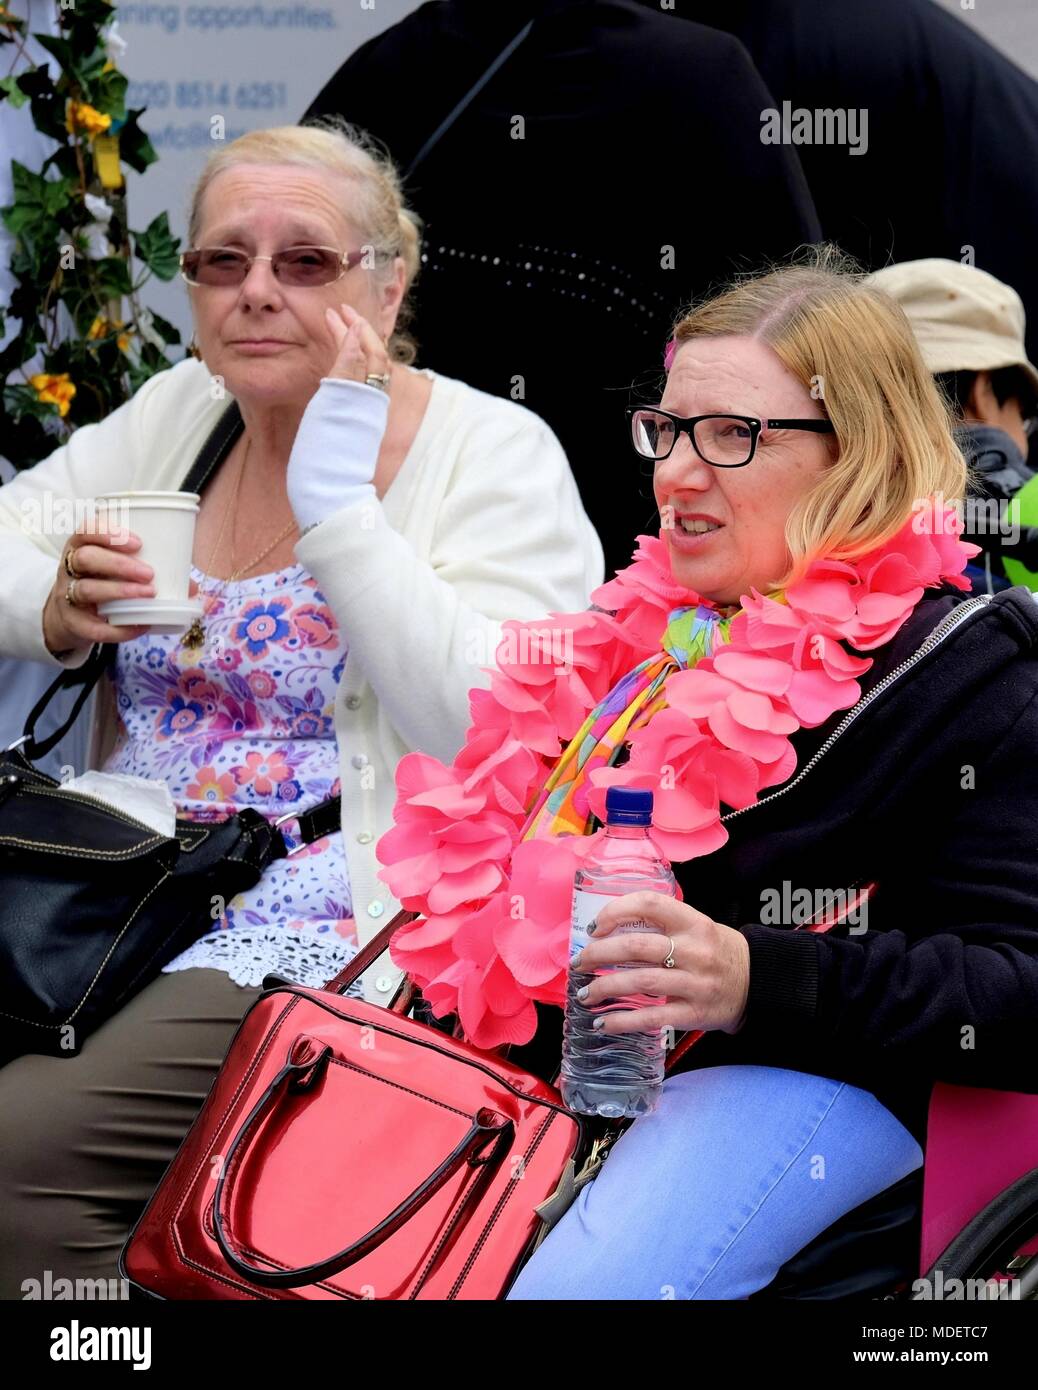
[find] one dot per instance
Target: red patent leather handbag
(346, 1151)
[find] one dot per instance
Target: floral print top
(248, 720)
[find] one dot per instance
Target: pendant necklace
(194, 638)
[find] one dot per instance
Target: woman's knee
(86, 1138)
(45, 1115)
(709, 1195)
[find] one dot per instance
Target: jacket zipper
(943, 629)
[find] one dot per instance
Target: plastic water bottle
(617, 1076)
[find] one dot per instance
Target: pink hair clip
(668, 353)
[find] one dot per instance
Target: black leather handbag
(93, 903)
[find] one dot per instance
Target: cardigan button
(353, 702)
(359, 760)
(376, 908)
(364, 837)
(383, 984)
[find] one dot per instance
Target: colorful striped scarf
(561, 806)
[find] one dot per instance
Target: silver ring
(70, 594)
(668, 964)
(67, 562)
(381, 380)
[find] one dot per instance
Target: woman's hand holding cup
(105, 567)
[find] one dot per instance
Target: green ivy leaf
(23, 400)
(95, 13)
(158, 248)
(49, 213)
(81, 56)
(110, 94)
(113, 275)
(167, 331)
(134, 146)
(48, 106)
(60, 48)
(55, 195)
(10, 88)
(36, 201)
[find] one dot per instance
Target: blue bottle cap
(628, 806)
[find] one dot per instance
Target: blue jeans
(737, 1169)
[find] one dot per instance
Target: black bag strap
(215, 449)
(212, 453)
(314, 824)
(86, 675)
(469, 97)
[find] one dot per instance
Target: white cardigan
(483, 522)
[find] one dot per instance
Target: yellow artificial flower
(54, 389)
(101, 327)
(80, 116)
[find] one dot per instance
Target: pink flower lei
(493, 935)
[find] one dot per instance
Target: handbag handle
(86, 675)
(368, 954)
(489, 1131)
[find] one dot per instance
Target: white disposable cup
(165, 523)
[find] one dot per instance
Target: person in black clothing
(610, 170)
(925, 789)
(999, 465)
(952, 128)
(970, 328)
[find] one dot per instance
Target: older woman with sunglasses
(367, 531)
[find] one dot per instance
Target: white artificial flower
(98, 209)
(115, 44)
(147, 332)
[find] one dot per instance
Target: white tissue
(139, 797)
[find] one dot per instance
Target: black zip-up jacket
(1001, 471)
(929, 785)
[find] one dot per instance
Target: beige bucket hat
(963, 318)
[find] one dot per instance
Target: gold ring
(669, 962)
(381, 380)
(70, 594)
(67, 561)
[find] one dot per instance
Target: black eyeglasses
(725, 441)
(301, 267)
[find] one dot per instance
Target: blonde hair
(853, 347)
(376, 206)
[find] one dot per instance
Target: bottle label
(585, 906)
